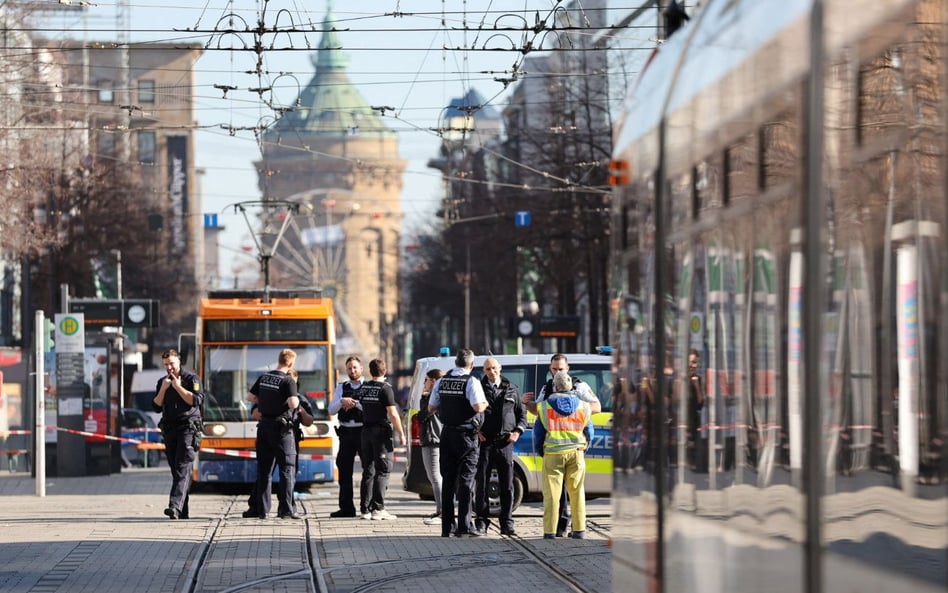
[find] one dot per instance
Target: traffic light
(49, 335)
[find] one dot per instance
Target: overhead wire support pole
(264, 255)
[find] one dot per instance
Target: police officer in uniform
(504, 422)
(459, 400)
(346, 407)
(560, 363)
(277, 400)
(380, 424)
(178, 398)
(303, 417)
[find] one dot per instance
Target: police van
(529, 372)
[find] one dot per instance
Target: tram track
(317, 555)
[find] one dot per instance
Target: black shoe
(341, 514)
(508, 532)
(560, 534)
(250, 514)
(172, 513)
(290, 516)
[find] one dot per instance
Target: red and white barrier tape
(243, 453)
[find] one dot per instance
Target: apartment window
(106, 92)
(146, 147)
(146, 91)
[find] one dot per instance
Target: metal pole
(39, 429)
(813, 294)
(467, 299)
(118, 272)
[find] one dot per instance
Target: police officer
(303, 417)
(277, 400)
(459, 399)
(179, 397)
(380, 424)
(560, 363)
(504, 423)
(346, 407)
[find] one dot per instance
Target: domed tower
(333, 154)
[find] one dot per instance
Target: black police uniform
(181, 430)
(503, 416)
(276, 443)
(378, 442)
(562, 524)
(298, 435)
(459, 451)
(350, 445)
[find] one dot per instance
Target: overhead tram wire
(524, 50)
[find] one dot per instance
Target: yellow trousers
(571, 467)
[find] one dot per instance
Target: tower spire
(329, 55)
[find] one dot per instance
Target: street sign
(210, 221)
(546, 326)
(559, 326)
(522, 218)
(101, 313)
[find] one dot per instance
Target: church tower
(333, 154)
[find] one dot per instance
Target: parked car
(138, 425)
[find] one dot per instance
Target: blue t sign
(522, 218)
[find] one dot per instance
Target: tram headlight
(316, 430)
(215, 430)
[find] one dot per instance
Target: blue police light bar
(445, 351)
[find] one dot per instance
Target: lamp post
(384, 350)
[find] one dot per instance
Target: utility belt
(195, 425)
(285, 424)
(467, 428)
(342, 428)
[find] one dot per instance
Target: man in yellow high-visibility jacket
(562, 432)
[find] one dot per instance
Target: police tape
(243, 453)
(6, 433)
(101, 436)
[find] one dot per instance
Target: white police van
(528, 372)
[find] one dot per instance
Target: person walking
(562, 432)
(459, 400)
(380, 425)
(560, 363)
(348, 411)
(277, 401)
(178, 397)
(504, 423)
(430, 439)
